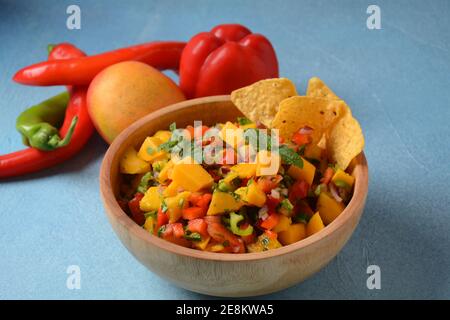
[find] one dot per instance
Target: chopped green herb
(161, 230)
(265, 242)
(289, 156)
(301, 150)
(301, 218)
(150, 150)
(342, 184)
(287, 205)
(145, 182)
(321, 187)
(150, 214)
(226, 243)
(164, 207)
(288, 180)
(173, 126)
(243, 121)
(195, 236)
(168, 146)
(223, 186)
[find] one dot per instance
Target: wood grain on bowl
(221, 274)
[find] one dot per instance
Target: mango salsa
(261, 198)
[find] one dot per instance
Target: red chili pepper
(226, 58)
(80, 71)
(31, 160)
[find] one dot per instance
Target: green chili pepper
(234, 220)
(38, 124)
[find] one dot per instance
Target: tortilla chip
(260, 101)
(317, 113)
(317, 88)
(345, 141)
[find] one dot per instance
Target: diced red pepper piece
(198, 225)
(193, 213)
(301, 139)
(136, 213)
(298, 190)
(271, 221)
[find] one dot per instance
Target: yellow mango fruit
(329, 209)
(221, 202)
(149, 150)
(176, 204)
(201, 244)
(191, 177)
(244, 170)
(152, 200)
(171, 190)
(163, 135)
(343, 176)
(315, 224)
(313, 151)
(231, 134)
(306, 173)
(132, 164)
(165, 173)
(283, 224)
(267, 163)
(250, 125)
(150, 224)
(295, 232)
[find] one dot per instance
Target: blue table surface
(395, 79)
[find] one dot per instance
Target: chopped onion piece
(334, 192)
(275, 193)
(263, 213)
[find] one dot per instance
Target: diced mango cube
(171, 190)
(315, 224)
(295, 232)
(252, 195)
(267, 163)
(244, 170)
(250, 125)
(306, 173)
(223, 201)
(176, 204)
(152, 200)
(264, 243)
(313, 151)
(283, 224)
(132, 164)
(150, 224)
(202, 243)
(343, 176)
(163, 135)
(192, 177)
(231, 134)
(165, 173)
(328, 207)
(149, 150)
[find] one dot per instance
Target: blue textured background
(396, 80)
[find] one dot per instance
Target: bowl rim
(113, 210)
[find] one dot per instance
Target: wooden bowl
(221, 274)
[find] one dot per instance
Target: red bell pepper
(136, 213)
(228, 57)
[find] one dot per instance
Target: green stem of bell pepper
(234, 220)
(38, 124)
